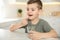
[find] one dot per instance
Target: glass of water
(30, 29)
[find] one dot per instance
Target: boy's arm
(16, 26)
(37, 35)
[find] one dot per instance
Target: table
(7, 35)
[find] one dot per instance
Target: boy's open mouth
(30, 15)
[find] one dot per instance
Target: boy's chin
(30, 18)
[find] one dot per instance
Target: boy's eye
(30, 9)
(27, 9)
(33, 10)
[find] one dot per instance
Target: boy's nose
(29, 12)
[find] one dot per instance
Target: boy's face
(32, 11)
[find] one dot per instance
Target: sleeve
(47, 27)
(24, 26)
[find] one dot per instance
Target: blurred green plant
(20, 11)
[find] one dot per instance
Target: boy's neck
(35, 21)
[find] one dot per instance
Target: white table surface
(7, 35)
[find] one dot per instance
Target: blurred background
(13, 11)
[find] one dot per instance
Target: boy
(38, 27)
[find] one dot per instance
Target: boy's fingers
(31, 32)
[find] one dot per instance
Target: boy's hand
(35, 35)
(13, 27)
(24, 22)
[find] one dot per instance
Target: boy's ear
(40, 12)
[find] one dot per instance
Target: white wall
(41, 0)
(2, 9)
(12, 10)
(49, 8)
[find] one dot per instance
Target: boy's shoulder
(42, 21)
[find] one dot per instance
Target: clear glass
(32, 28)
